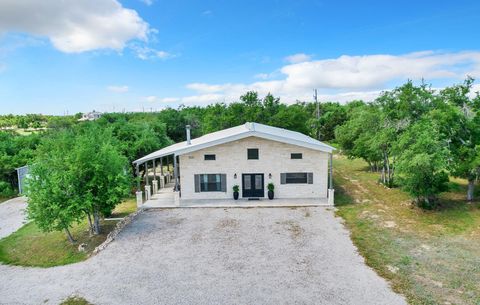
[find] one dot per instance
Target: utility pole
(317, 112)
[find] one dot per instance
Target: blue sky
(148, 54)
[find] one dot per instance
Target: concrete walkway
(214, 256)
(167, 198)
(12, 215)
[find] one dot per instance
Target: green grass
(75, 301)
(31, 247)
(432, 257)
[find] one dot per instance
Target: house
(250, 156)
(91, 116)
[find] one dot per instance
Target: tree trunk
(89, 217)
(69, 235)
(471, 188)
(96, 223)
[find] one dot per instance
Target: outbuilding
(249, 156)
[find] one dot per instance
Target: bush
(6, 190)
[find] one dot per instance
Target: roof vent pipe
(188, 134)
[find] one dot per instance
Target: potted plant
(236, 188)
(270, 187)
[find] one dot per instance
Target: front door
(252, 185)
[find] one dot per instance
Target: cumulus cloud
(347, 77)
(298, 58)
(118, 89)
(74, 26)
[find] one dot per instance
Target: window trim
(308, 178)
(209, 156)
(294, 156)
(257, 153)
(221, 184)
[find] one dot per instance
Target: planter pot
(270, 195)
(235, 195)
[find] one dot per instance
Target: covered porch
(158, 182)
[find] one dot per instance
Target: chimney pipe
(188, 134)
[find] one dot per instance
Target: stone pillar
(148, 192)
(331, 196)
(155, 186)
(162, 182)
(139, 195)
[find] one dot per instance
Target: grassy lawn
(432, 257)
(31, 247)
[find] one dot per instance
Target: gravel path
(12, 216)
(213, 256)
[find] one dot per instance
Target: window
(296, 156)
(252, 153)
(296, 178)
(209, 157)
(210, 183)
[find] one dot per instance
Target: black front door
(252, 185)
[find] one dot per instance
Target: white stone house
(91, 116)
(250, 156)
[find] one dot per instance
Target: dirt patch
(228, 223)
(296, 231)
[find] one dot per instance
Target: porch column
(331, 191)
(146, 173)
(175, 172)
(154, 170)
(155, 181)
(138, 193)
(162, 180)
(137, 173)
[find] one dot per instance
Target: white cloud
(74, 26)
(147, 2)
(207, 13)
(143, 52)
(165, 100)
(118, 89)
(347, 77)
(298, 58)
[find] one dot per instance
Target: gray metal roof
(236, 133)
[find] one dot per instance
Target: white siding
(274, 158)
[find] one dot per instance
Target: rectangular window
(209, 157)
(210, 183)
(296, 156)
(296, 178)
(252, 153)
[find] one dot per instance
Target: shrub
(6, 190)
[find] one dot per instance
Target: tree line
(417, 137)
(413, 136)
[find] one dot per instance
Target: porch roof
(236, 133)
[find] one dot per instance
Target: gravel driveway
(12, 216)
(213, 256)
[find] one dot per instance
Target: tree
(101, 172)
(461, 121)
(77, 173)
(53, 201)
(422, 163)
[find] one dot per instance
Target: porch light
(235, 176)
(270, 176)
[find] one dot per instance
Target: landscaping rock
(82, 247)
(118, 228)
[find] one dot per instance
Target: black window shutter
(223, 182)
(197, 183)
(283, 178)
(310, 178)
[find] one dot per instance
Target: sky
(70, 56)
